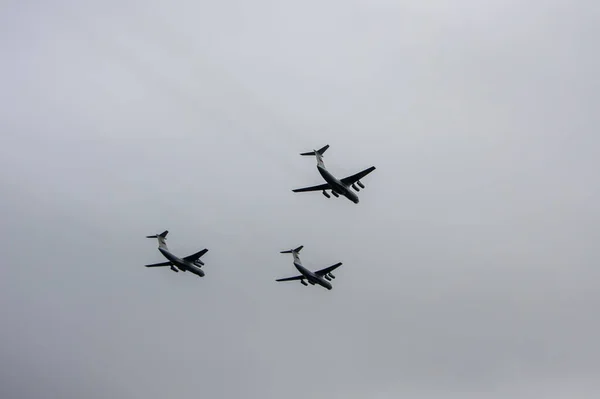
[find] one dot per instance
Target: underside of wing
(329, 269)
(195, 256)
(320, 187)
(354, 178)
(291, 278)
(159, 264)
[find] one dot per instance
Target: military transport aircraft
(321, 277)
(337, 187)
(190, 263)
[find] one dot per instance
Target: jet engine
(355, 188)
(326, 194)
(198, 263)
(336, 195)
(304, 282)
(360, 184)
(331, 275)
(326, 277)
(175, 270)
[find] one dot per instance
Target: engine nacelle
(336, 195)
(326, 277)
(360, 184)
(198, 263)
(355, 188)
(331, 275)
(304, 282)
(325, 193)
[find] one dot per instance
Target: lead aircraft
(190, 263)
(321, 277)
(337, 187)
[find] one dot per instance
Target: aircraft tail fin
(291, 251)
(315, 152)
(163, 235)
(162, 238)
(318, 154)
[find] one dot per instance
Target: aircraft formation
(323, 277)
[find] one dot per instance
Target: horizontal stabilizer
(321, 151)
(163, 235)
(293, 250)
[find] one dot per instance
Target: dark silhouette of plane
(321, 277)
(337, 187)
(190, 263)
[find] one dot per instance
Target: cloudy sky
(470, 264)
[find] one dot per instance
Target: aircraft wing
(320, 187)
(354, 178)
(291, 278)
(329, 269)
(159, 264)
(195, 256)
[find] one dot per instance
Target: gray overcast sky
(470, 264)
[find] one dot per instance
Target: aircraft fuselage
(337, 186)
(181, 264)
(313, 278)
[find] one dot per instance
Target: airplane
(321, 277)
(337, 187)
(190, 263)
